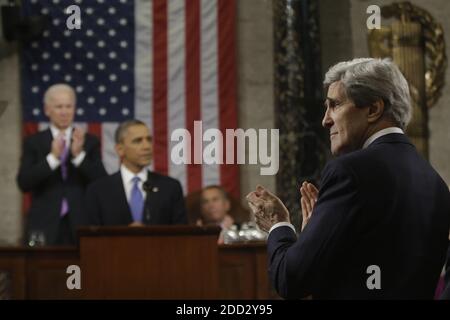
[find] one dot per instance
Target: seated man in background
(134, 195)
(215, 208)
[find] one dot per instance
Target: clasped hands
(75, 147)
(269, 209)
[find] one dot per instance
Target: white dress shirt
(371, 139)
(127, 179)
(53, 161)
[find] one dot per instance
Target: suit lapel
(122, 202)
(152, 199)
(47, 139)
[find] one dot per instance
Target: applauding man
(378, 226)
(56, 166)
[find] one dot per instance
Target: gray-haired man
(378, 227)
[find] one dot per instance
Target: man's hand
(267, 207)
(77, 142)
(58, 146)
(309, 194)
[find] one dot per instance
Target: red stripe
(193, 108)
(28, 129)
(160, 86)
(95, 128)
(229, 173)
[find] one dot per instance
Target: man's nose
(327, 122)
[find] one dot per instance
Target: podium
(154, 262)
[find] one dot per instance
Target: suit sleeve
(92, 167)
(33, 170)
(178, 208)
(296, 266)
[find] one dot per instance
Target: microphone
(147, 188)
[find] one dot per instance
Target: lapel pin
(155, 189)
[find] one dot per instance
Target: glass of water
(37, 239)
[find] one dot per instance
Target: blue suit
(382, 206)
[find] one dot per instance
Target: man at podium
(134, 195)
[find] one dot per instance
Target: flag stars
(101, 89)
(123, 44)
(78, 44)
(123, 66)
(34, 44)
(124, 89)
(113, 100)
(90, 55)
(56, 67)
(91, 100)
(100, 21)
(125, 111)
(101, 43)
(112, 77)
(102, 111)
(89, 33)
(89, 11)
(46, 33)
(113, 55)
(101, 66)
(123, 22)
(36, 111)
(79, 89)
(112, 32)
(112, 10)
(35, 89)
(67, 33)
(68, 78)
(46, 78)
(56, 45)
(90, 77)
(79, 66)
(44, 11)
(34, 67)
(80, 111)
(45, 55)
(56, 22)
(67, 55)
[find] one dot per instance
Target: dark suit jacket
(446, 294)
(384, 206)
(107, 203)
(47, 187)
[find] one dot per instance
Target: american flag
(165, 62)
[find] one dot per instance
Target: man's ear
(119, 150)
(227, 205)
(46, 110)
(376, 111)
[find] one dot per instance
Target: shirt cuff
(79, 159)
(52, 161)
(282, 224)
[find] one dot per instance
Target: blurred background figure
(134, 195)
(215, 208)
(56, 166)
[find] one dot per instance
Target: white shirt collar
(127, 175)
(381, 133)
(55, 132)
